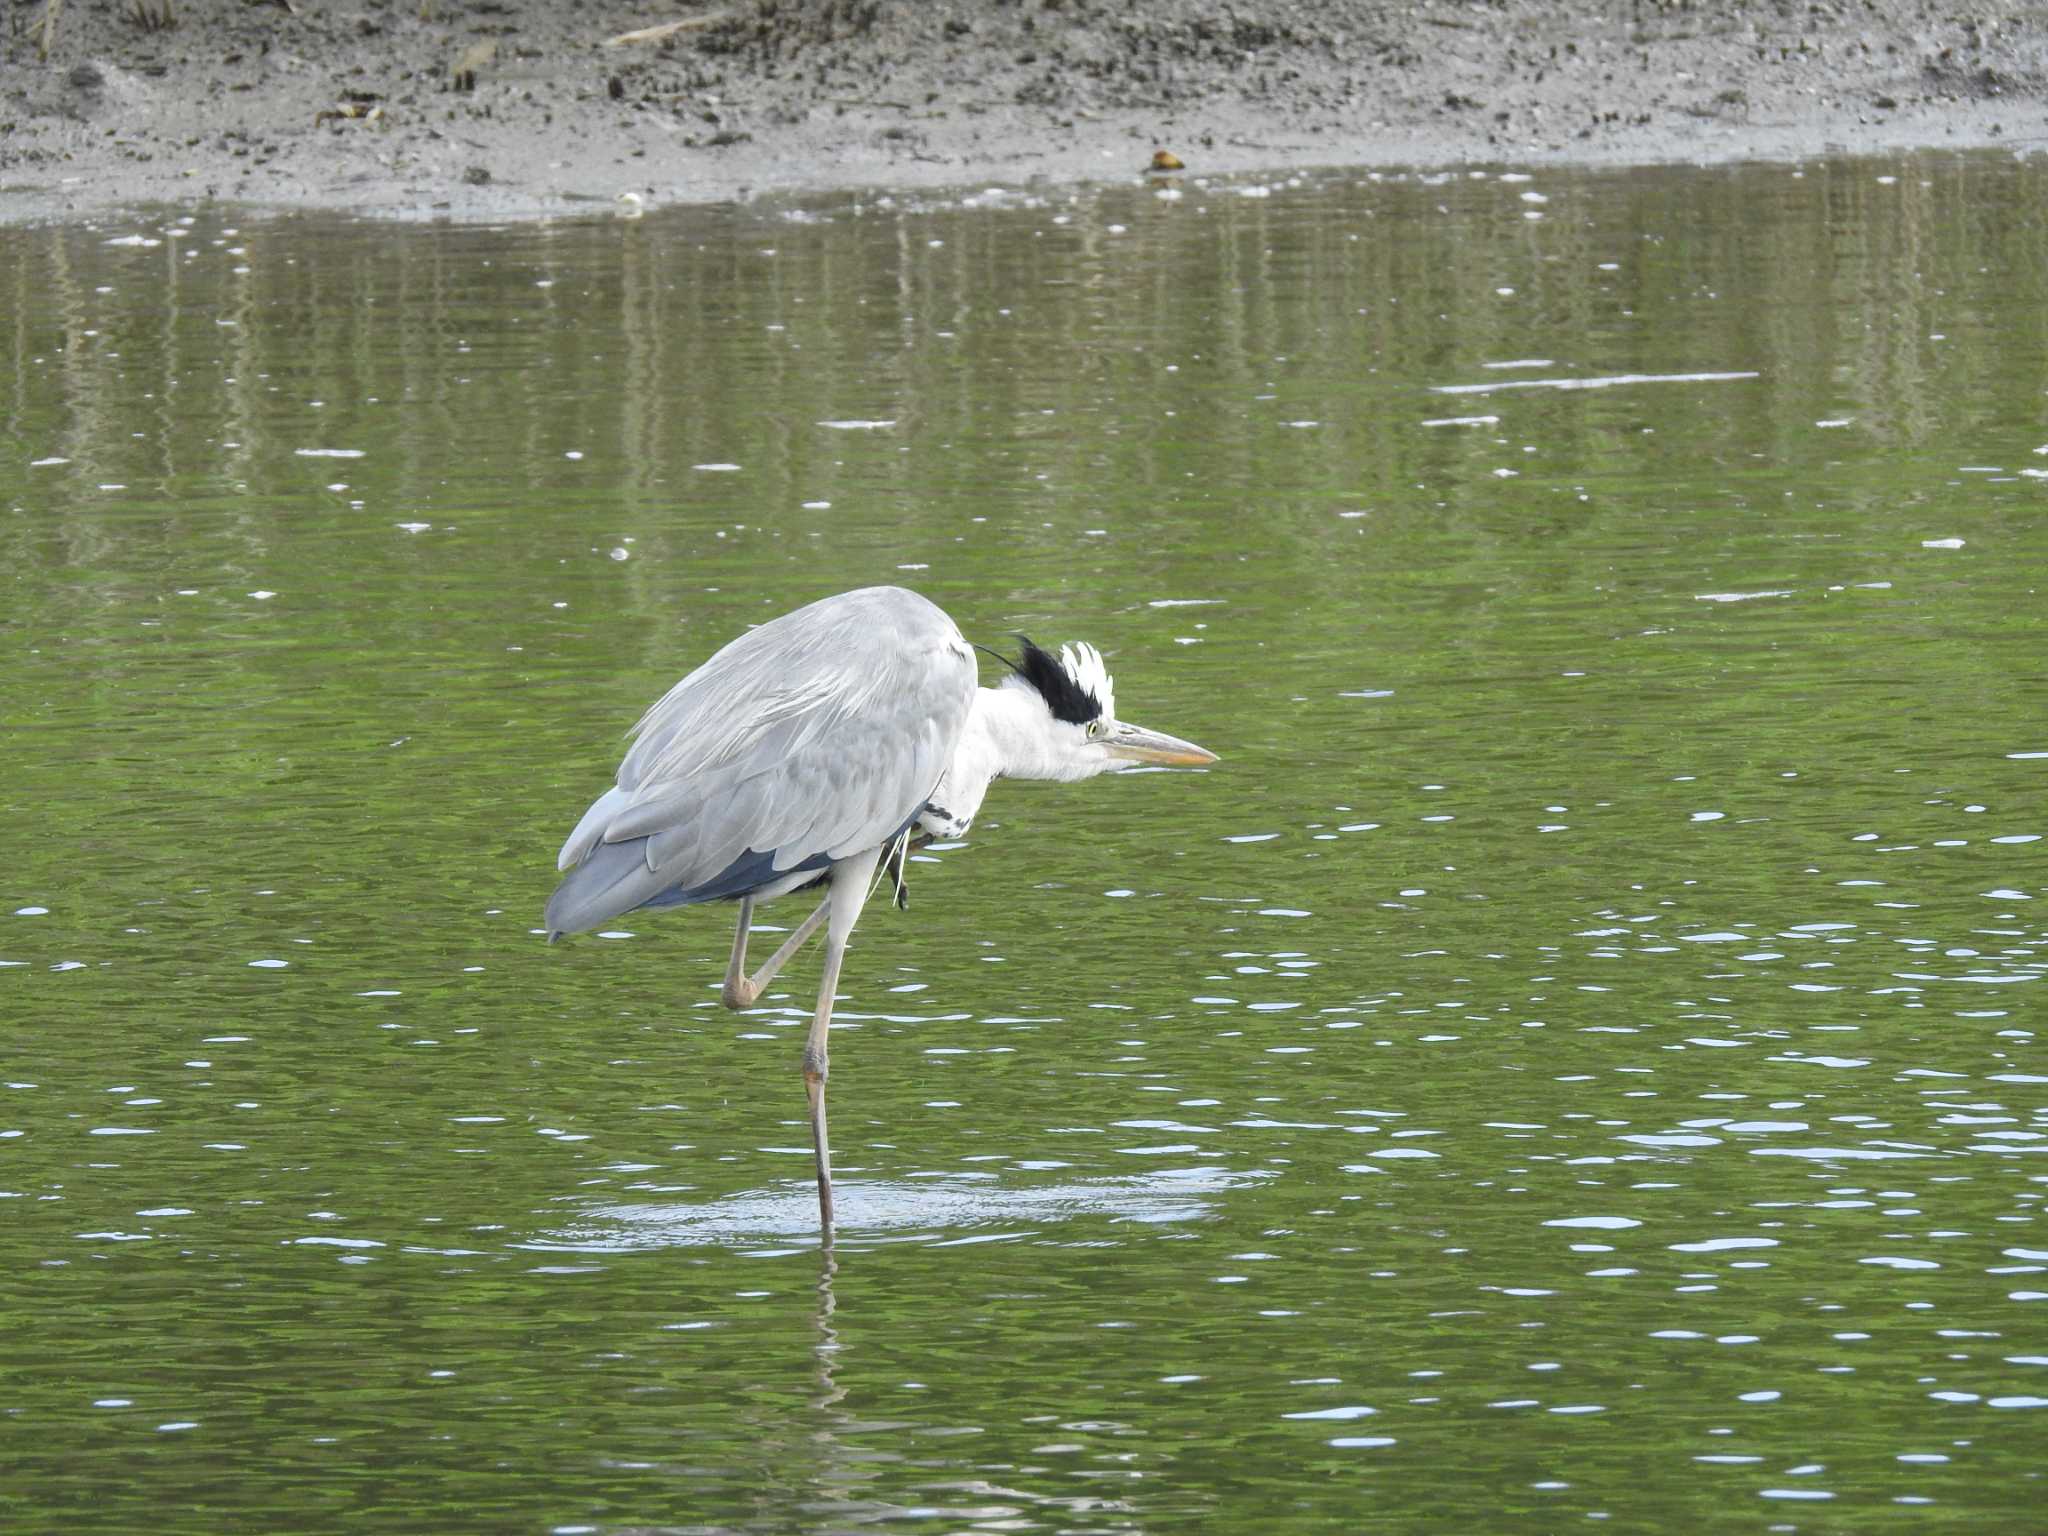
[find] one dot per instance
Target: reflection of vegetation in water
(1117, 360)
(1818, 278)
(1543, 917)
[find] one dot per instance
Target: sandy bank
(520, 108)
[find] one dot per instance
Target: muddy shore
(429, 108)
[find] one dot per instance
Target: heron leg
(851, 879)
(816, 1069)
(736, 993)
(742, 990)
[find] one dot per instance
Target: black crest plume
(1067, 699)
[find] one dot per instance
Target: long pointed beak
(1135, 744)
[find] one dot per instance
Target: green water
(1575, 1057)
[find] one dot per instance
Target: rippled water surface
(1575, 1057)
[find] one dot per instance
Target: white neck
(1008, 735)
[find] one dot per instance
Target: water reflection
(1583, 1043)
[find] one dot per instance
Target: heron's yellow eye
(1098, 728)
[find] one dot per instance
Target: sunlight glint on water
(1573, 1058)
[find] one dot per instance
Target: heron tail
(614, 879)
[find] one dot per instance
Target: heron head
(1080, 704)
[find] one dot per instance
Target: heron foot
(743, 991)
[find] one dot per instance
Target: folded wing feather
(816, 735)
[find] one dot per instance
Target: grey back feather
(820, 733)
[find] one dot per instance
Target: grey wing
(817, 735)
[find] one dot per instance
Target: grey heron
(807, 750)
